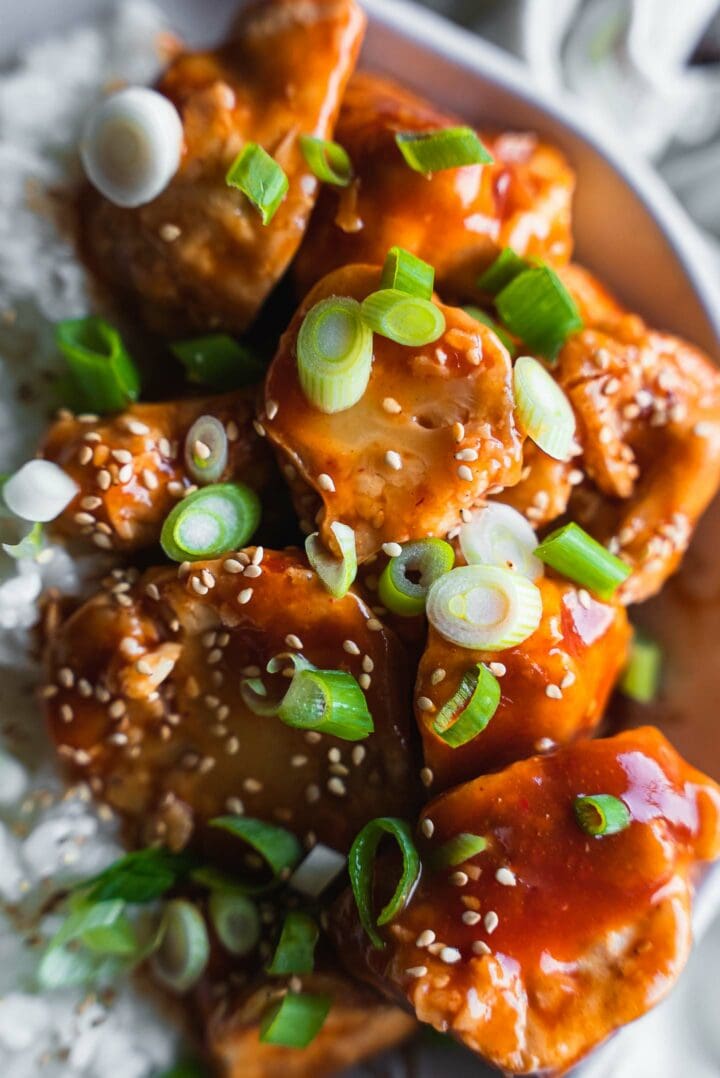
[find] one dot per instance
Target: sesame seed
(393, 460)
(458, 431)
(451, 955)
(169, 233)
(197, 586)
(437, 676)
(117, 709)
(367, 664)
(66, 677)
(313, 737)
(325, 482)
(294, 641)
(252, 786)
(66, 713)
(312, 793)
(426, 776)
(259, 429)
(391, 406)
(150, 479)
(465, 473)
(424, 703)
(122, 456)
(506, 877)
(271, 409)
(136, 427)
(467, 454)
(458, 879)
(491, 921)
(91, 502)
(481, 947)
(416, 971)
(232, 745)
(233, 431)
(427, 827)
(554, 692)
(298, 761)
(85, 454)
(152, 591)
(104, 479)
(253, 571)
(103, 541)
(232, 565)
(498, 669)
(337, 786)
(334, 755)
(207, 578)
(425, 938)
(365, 681)
(373, 625)
(471, 917)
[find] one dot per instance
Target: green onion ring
(295, 1021)
(407, 320)
(260, 178)
(102, 369)
(334, 354)
(361, 860)
(328, 160)
(211, 521)
(507, 266)
(337, 574)
(433, 151)
(405, 272)
(236, 921)
(537, 307)
(573, 553)
(457, 850)
(278, 847)
(601, 814)
(641, 678)
(183, 949)
(431, 558)
(295, 951)
(470, 709)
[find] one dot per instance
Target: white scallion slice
(184, 947)
(500, 535)
(484, 608)
(236, 921)
(131, 146)
(334, 354)
(337, 574)
(321, 866)
(206, 449)
(543, 410)
(39, 491)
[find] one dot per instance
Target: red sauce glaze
(458, 220)
(577, 935)
(578, 651)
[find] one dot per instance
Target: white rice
(49, 837)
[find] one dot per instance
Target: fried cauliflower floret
(131, 470)
(432, 434)
(198, 256)
(144, 701)
(534, 950)
(458, 219)
(555, 685)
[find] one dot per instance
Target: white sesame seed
(393, 550)
(136, 427)
(122, 456)
(298, 761)
(150, 479)
(367, 664)
(465, 473)
(391, 406)
(294, 641)
(437, 676)
(252, 786)
(197, 586)
(337, 786)
(424, 703)
(104, 479)
(471, 917)
(425, 938)
(253, 571)
(351, 647)
(498, 669)
(85, 455)
(358, 754)
(312, 793)
(506, 877)
(271, 409)
(427, 827)
(393, 460)
(426, 776)
(84, 518)
(374, 625)
(325, 482)
(491, 921)
(91, 502)
(169, 233)
(103, 541)
(458, 879)
(458, 431)
(416, 971)
(232, 565)
(481, 947)
(259, 429)
(365, 681)
(466, 454)
(451, 955)
(125, 473)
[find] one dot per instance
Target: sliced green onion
(103, 371)
(543, 410)
(361, 861)
(337, 574)
(408, 320)
(429, 558)
(507, 266)
(260, 178)
(457, 850)
(407, 273)
(218, 361)
(29, 546)
(141, 876)
(295, 951)
(295, 1021)
(329, 161)
(601, 814)
(86, 919)
(236, 921)
(484, 608)
(641, 677)
(66, 967)
(484, 318)
(279, 848)
(334, 354)
(434, 151)
(206, 449)
(117, 939)
(210, 522)
(537, 308)
(469, 710)
(573, 553)
(328, 701)
(184, 948)
(499, 535)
